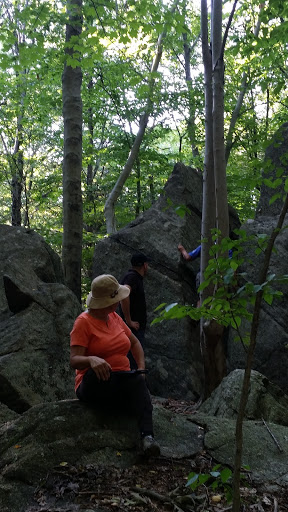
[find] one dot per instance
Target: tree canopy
(117, 48)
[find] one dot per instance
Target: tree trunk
(17, 179)
(239, 103)
(138, 186)
(109, 209)
(222, 217)
(250, 355)
(191, 117)
(209, 204)
(17, 157)
(215, 202)
(72, 162)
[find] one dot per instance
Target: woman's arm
(137, 352)
(80, 361)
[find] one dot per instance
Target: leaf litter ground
(155, 485)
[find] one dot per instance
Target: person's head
(140, 262)
(106, 293)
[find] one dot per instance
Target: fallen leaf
(216, 499)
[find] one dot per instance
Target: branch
(273, 437)
(157, 496)
(227, 29)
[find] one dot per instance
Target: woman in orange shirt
(100, 341)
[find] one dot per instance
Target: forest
(140, 98)
(100, 99)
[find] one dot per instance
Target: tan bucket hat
(105, 291)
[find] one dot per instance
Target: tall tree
(215, 201)
(72, 162)
(114, 194)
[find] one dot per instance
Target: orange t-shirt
(109, 341)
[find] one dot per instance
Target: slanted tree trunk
(243, 89)
(72, 162)
(109, 208)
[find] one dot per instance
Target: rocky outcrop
(266, 400)
(37, 312)
(173, 349)
(69, 433)
(275, 168)
(271, 354)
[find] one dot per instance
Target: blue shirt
(197, 252)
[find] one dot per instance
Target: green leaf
(236, 322)
(160, 306)
(274, 198)
(215, 474)
(268, 297)
(226, 473)
(170, 306)
(192, 481)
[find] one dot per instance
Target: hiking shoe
(150, 447)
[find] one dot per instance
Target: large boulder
(275, 168)
(271, 354)
(68, 432)
(173, 348)
(265, 400)
(37, 312)
(52, 436)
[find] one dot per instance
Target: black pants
(124, 392)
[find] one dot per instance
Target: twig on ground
(157, 496)
(273, 437)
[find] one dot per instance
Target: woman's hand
(134, 325)
(100, 367)
(80, 361)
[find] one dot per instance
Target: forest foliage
(116, 49)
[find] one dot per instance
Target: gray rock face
(172, 350)
(271, 355)
(265, 399)
(275, 166)
(70, 432)
(260, 452)
(36, 315)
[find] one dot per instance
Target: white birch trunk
(109, 209)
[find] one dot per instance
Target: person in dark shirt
(133, 308)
